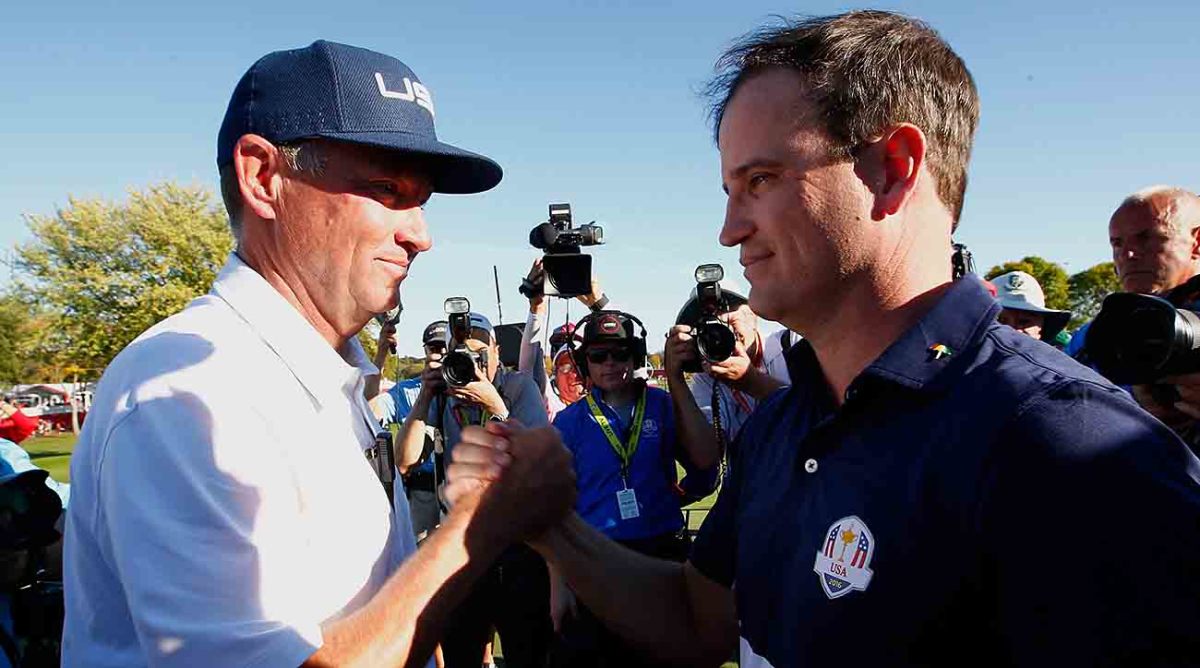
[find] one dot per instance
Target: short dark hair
(868, 70)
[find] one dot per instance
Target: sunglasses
(617, 355)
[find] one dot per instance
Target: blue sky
(596, 104)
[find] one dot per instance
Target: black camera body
(460, 363)
(1140, 339)
(567, 270)
(715, 340)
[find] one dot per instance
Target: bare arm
(401, 625)
(386, 344)
(758, 384)
(410, 441)
(695, 434)
(670, 610)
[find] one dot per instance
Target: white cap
(1020, 291)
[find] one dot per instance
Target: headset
(626, 321)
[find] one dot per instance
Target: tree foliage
(1088, 289)
(102, 272)
(19, 322)
(1051, 276)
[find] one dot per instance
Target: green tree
(1088, 289)
(19, 321)
(102, 272)
(1051, 276)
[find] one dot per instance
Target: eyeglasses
(601, 356)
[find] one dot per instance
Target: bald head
(1155, 239)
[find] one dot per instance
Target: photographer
(417, 468)
(566, 387)
(514, 594)
(721, 397)
(1155, 239)
(623, 438)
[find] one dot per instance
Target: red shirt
(17, 427)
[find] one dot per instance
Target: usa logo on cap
(610, 324)
(843, 564)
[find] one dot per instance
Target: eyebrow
(756, 163)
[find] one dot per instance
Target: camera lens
(715, 340)
(458, 369)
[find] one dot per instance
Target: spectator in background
(15, 425)
(623, 437)
(567, 386)
(1155, 239)
(392, 407)
(1024, 307)
(724, 394)
(514, 594)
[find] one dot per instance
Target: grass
(53, 453)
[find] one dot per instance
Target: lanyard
(624, 450)
(461, 419)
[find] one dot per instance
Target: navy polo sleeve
(714, 553)
(1091, 518)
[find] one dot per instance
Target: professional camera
(715, 341)
(1139, 339)
(961, 262)
(458, 366)
(567, 270)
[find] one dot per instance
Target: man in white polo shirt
(224, 512)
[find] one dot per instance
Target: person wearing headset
(625, 445)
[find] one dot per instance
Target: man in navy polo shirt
(934, 488)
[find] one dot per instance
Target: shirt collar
(317, 365)
(933, 348)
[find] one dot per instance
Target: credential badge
(844, 564)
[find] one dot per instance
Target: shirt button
(810, 466)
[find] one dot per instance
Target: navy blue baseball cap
(350, 94)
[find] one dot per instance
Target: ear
(258, 164)
(897, 158)
(1195, 232)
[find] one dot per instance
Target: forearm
(401, 625)
(410, 441)
(695, 433)
(371, 386)
(532, 358)
(644, 600)
(759, 384)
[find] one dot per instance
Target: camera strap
(625, 450)
(461, 417)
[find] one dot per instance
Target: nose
(413, 233)
(737, 226)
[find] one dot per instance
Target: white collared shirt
(222, 504)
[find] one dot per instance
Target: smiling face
(800, 217)
(349, 233)
(566, 378)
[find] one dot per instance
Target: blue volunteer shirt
(598, 468)
(396, 404)
(979, 499)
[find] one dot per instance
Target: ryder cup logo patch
(650, 427)
(843, 564)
